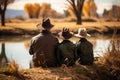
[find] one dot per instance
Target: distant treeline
(114, 12)
(36, 10)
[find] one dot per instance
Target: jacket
(66, 53)
(42, 48)
(84, 50)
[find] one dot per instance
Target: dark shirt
(66, 53)
(85, 51)
(45, 44)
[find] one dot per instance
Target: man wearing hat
(66, 49)
(84, 48)
(43, 46)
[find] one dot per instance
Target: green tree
(3, 6)
(77, 6)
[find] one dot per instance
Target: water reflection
(18, 51)
(3, 58)
(101, 47)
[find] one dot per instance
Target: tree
(32, 10)
(3, 6)
(45, 10)
(77, 6)
(89, 8)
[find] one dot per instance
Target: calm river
(16, 48)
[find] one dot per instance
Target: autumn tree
(77, 6)
(32, 10)
(89, 8)
(116, 12)
(45, 10)
(3, 6)
(70, 10)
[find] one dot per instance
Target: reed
(112, 56)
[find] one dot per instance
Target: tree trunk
(79, 21)
(3, 18)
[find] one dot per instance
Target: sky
(60, 5)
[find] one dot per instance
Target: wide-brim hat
(45, 23)
(65, 34)
(82, 32)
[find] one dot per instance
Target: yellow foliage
(45, 10)
(70, 10)
(89, 8)
(32, 10)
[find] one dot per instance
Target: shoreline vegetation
(104, 68)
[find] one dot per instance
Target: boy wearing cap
(66, 49)
(43, 46)
(84, 48)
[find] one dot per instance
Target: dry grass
(13, 67)
(111, 59)
(11, 72)
(59, 24)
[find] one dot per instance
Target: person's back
(85, 51)
(43, 49)
(84, 48)
(66, 49)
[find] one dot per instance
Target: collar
(65, 41)
(45, 32)
(83, 39)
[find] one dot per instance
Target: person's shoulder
(38, 35)
(54, 36)
(90, 42)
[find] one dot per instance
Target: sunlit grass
(59, 24)
(111, 59)
(13, 67)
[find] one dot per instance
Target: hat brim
(51, 25)
(77, 35)
(40, 26)
(62, 37)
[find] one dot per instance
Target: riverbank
(29, 28)
(97, 71)
(77, 72)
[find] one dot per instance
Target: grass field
(30, 25)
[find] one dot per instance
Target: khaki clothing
(84, 51)
(66, 53)
(43, 49)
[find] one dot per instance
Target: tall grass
(112, 57)
(13, 70)
(13, 67)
